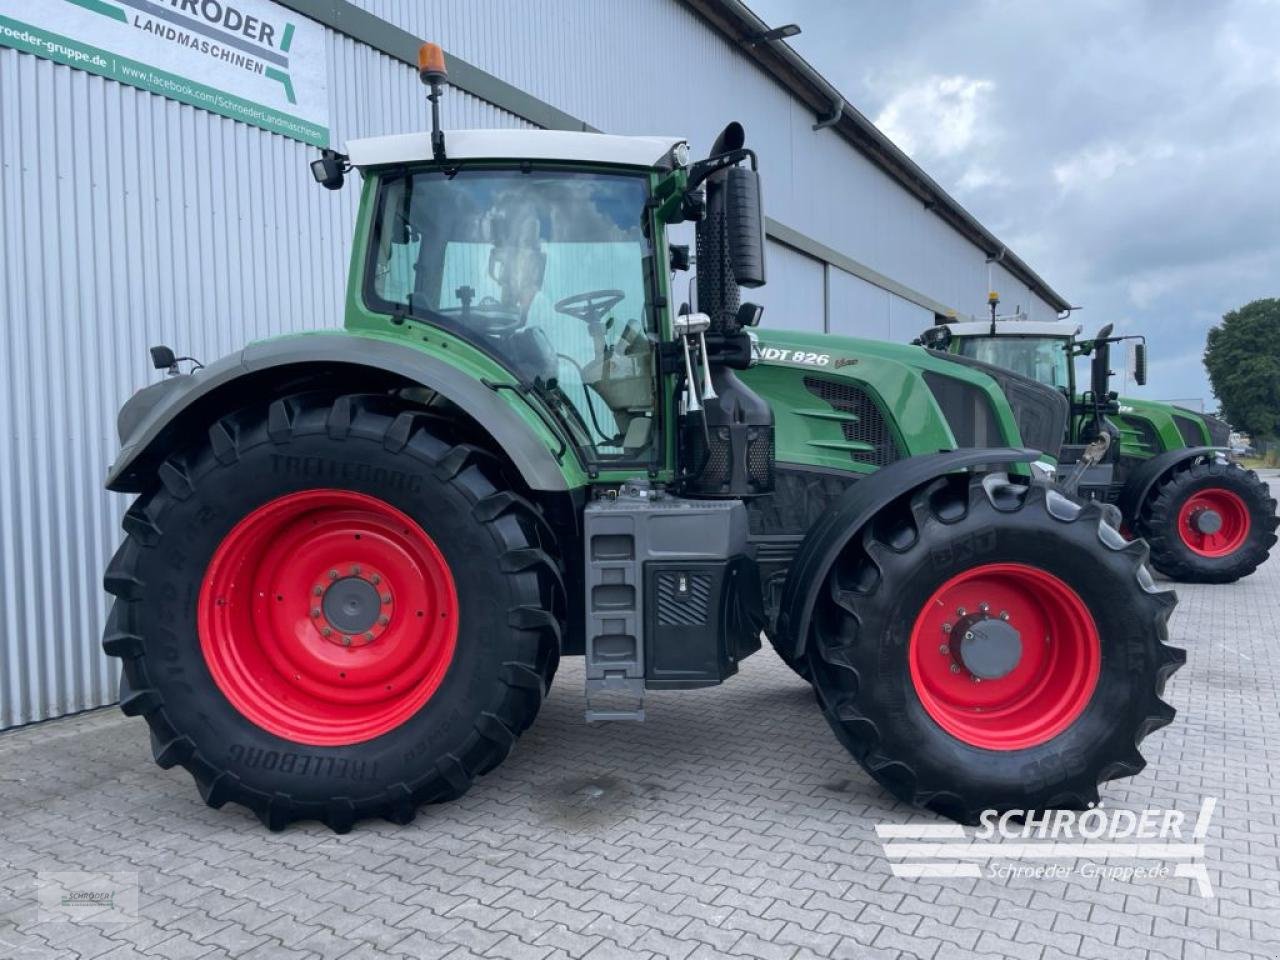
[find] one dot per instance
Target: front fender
(155, 417)
(1145, 476)
(853, 511)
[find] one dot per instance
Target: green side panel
(810, 431)
(1148, 428)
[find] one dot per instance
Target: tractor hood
(1148, 427)
(930, 400)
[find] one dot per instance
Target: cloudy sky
(1128, 150)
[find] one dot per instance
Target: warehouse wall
(127, 220)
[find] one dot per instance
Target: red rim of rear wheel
(328, 617)
(1047, 660)
(1230, 522)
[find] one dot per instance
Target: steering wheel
(590, 307)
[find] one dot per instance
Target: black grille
(1140, 432)
(967, 409)
(760, 459)
(1219, 430)
(687, 607)
(1192, 435)
(870, 425)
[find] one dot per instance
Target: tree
(1242, 358)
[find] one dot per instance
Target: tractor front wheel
(1209, 523)
(326, 610)
(985, 644)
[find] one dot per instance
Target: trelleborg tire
(1241, 535)
(325, 610)
(983, 644)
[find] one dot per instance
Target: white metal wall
(127, 220)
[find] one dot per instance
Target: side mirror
(745, 224)
(1140, 363)
(163, 358)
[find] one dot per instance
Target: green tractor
(356, 557)
(1165, 467)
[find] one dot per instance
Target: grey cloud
(1128, 151)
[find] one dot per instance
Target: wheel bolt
(1004, 614)
(317, 590)
(968, 635)
(984, 606)
(368, 635)
(315, 611)
(375, 579)
(355, 570)
(386, 598)
(944, 649)
(955, 668)
(326, 632)
(346, 641)
(977, 679)
(946, 628)
(960, 611)
(384, 620)
(333, 574)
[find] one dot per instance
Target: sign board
(250, 60)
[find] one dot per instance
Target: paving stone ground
(731, 823)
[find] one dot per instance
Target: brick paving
(729, 824)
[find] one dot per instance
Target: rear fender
(1143, 479)
(158, 416)
(826, 539)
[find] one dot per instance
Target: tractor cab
(549, 267)
(1041, 351)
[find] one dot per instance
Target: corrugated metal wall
(126, 220)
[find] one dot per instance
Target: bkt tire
(326, 611)
(1209, 523)
(983, 644)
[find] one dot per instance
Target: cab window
(550, 271)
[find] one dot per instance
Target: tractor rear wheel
(1209, 523)
(327, 611)
(984, 644)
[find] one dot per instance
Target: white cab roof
(1013, 328)
(513, 145)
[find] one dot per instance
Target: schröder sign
(250, 60)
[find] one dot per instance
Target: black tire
(510, 609)
(1171, 555)
(862, 631)
(799, 666)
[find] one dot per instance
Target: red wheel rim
(1046, 684)
(282, 600)
(1213, 522)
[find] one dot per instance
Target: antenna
(432, 72)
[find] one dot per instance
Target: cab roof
(564, 145)
(1012, 328)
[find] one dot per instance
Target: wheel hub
(353, 610)
(987, 647)
(1206, 521)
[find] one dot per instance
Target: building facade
(129, 217)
